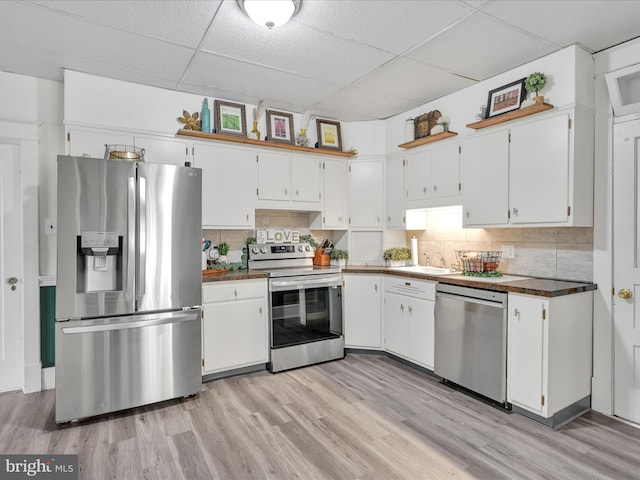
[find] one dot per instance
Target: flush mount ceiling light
(270, 13)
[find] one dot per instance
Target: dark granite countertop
(544, 287)
(234, 275)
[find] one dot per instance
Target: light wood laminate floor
(364, 417)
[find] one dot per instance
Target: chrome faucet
(426, 258)
(442, 260)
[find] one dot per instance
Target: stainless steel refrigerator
(128, 290)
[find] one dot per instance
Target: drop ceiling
(344, 59)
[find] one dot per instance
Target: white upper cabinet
(169, 151)
(538, 172)
(288, 181)
(227, 185)
(432, 176)
(92, 142)
(485, 179)
(366, 189)
(335, 174)
(394, 194)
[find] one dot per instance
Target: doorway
(626, 269)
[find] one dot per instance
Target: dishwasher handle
(477, 301)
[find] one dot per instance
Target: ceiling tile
(480, 47)
(596, 25)
(34, 63)
(357, 104)
(392, 26)
(292, 48)
(183, 22)
(412, 80)
(235, 76)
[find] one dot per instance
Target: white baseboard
(32, 378)
(49, 378)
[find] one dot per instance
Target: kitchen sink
(426, 270)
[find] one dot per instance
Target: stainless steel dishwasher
(471, 339)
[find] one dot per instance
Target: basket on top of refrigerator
(479, 263)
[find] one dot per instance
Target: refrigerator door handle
(126, 325)
(142, 236)
(131, 235)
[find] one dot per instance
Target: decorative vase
(539, 99)
(302, 140)
(255, 133)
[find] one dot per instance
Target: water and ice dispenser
(99, 262)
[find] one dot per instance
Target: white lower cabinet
(235, 325)
(362, 296)
(409, 319)
(549, 353)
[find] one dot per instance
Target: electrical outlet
(508, 251)
(50, 227)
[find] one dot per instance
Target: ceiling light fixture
(270, 13)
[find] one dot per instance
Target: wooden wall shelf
(261, 143)
(523, 112)
(428, 139)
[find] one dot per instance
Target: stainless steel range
(305, 305)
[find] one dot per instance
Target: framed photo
(329, 135)
(280, 127)
(230, 118)
(506, 98)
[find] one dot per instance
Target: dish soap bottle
(205, 117)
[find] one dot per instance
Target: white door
(626, 269)
(395, 323)
(336, 194)
(166, 151)
(10, 269)
(366, 190)
(305, 179)
(445, 171)
(421, 331)
(273, 176)
(416, 176)
(92, 142)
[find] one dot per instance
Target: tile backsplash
(562, 252)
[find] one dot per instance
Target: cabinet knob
(424, 189)
(297, 193)
(375, 287)
(378, 219)
(401, 308)
(286, 191)
(260, 310)
(410, 309)
(625, 293)
(516, 312)
(515, 212)
(435, 188)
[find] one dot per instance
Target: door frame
(25, 136)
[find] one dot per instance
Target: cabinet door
(416, 176)
(445, 171)
(167, 151)
(362, 310)
(395, 324)
(539, 171)
(366, 190)
(273, 176)
(485, 187)
(394, 193)
(235, 334)
(421, 331)
(305, 179)
(227, 190)
(526, 352)
(92, 142)
(336, 194)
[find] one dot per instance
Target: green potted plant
(223, 250)
(534, 83)
(396, 256)
(339, 257)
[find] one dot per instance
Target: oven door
(305, 309)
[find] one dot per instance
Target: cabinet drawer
(410, 287)
(234, 290)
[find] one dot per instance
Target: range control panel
(279, 251)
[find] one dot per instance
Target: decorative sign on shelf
(277, 236)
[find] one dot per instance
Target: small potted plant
(339, 257)
(534, 83)
(223, 249)
(397, 256)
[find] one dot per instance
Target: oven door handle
(298, 283)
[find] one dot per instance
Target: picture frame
(506, 98)
(230, 118)
(280, 127)
(329, 134)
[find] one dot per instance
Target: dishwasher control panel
(411, 287)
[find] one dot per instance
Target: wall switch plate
(50, 227)
(508, 251)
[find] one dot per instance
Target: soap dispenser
(205, 117)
